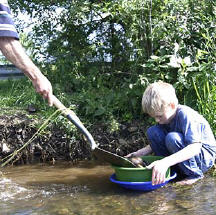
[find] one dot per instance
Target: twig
(42, 127)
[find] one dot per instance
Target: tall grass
(206, 101)
(17, 95)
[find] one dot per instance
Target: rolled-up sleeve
(7, 28)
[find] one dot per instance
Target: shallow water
(85, 189)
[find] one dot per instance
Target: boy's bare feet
(188, 181)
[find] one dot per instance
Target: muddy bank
(55, 144)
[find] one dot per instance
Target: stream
(85, 189)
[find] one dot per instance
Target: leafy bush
(100, 55)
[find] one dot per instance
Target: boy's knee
(173, 136)
(173, 141)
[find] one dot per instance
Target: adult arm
(14, 52)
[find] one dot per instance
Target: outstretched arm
(14, 52)
(160, 167)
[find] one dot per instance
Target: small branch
(43, 126)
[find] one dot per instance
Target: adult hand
(159, 169)
(44, 88)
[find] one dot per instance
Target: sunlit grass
(206, 101)
(16, 95)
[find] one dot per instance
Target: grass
(16, 95)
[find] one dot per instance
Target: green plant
(206, 101)
(100, 55)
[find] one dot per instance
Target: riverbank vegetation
(101, 55)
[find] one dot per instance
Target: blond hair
(157, 97)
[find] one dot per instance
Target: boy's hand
(137, 161)
(159, 169)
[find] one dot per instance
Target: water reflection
(85, 189)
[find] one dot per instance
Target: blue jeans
(165, 143)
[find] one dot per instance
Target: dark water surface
(85, 189)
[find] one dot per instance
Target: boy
(182, 135)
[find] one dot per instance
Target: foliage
(17, 93)
(206, 101)
(100, 55)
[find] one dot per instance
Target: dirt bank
(53, 145)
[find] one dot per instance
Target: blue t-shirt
(194, 128)
(7, 28)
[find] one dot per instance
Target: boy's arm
(184, 154)
(160, 167)
(144, 151)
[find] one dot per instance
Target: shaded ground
(55, 144)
